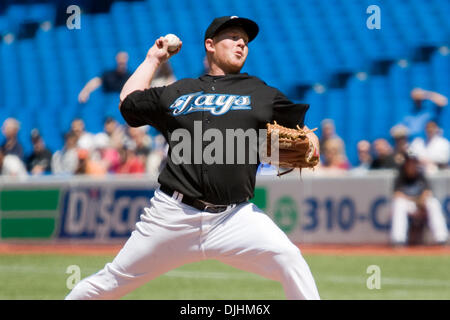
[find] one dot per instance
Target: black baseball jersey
(203, 113)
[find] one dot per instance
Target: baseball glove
(296, 150)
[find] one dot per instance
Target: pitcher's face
(230, 49)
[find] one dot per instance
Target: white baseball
(173, 41)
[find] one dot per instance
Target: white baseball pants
(402, 207)
(171, 234)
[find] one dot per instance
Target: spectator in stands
(413, 198)
(130, 162)
(39, 161)
(328, 131)
(85, 140)
(12, 145)
(364, 157)
(334, 158)
(11, 165)
(164, 76)
(65, 161)
(141, 142)
(114, 132)
(105, 154)
(88, 166)
(434, 151)
(110, 80)
(113, 80)
(400, 134)
(422, 111)
(157, 158)
(383, 155)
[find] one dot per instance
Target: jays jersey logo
(217, 104)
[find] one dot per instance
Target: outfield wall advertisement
(84, 209)
(308, 209)
(331, 210)
(101, 213)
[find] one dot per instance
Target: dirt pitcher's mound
(60, 248)
(374, 250)
(113, 249)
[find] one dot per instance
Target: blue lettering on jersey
(217, 104)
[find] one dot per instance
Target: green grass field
(337, 277)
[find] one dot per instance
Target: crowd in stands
(117, 149)
(122, 149)
(418, 133)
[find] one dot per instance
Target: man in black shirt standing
(201, 210)
(110, 80)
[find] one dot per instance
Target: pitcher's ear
(209, 45)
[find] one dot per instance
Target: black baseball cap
(218, 24)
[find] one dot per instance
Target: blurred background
(319, 52)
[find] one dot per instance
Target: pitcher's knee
(83, 291)
(289, 253)
(102, 285)
(286, 259)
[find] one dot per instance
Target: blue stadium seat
(102, 30)
(41, 12)
(420, 75)
(440, 69)
(4, 25)
(400, 88)
(316, 110)
(357, 114)
(336, 108)
(17, 13)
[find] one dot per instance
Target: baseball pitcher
(201, 209)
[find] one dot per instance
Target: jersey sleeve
(143, 107)
(288, 113)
